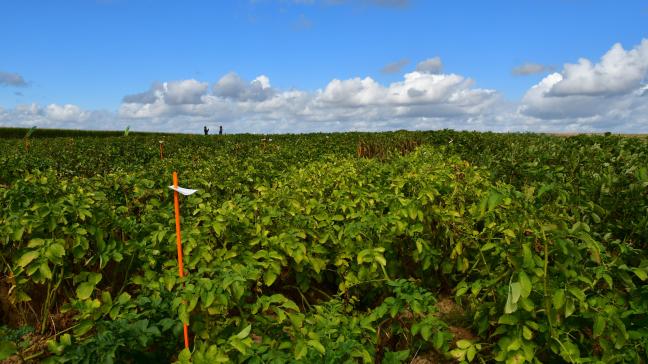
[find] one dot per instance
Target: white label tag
(184, 191)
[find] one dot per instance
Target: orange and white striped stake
(179, 244)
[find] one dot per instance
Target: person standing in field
(206, 130)
(220, 131)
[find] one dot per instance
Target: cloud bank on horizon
(610, 94)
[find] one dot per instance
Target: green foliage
(461, 246)
(14, 341)
(61, 133)
(30, 132)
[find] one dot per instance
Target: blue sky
(90, 54)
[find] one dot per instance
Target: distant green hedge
(9, 133)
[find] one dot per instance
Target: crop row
(471, 246)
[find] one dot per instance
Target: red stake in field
(186, 192)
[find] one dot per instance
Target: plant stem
(547, 297)
(45, 311)
(48, 300)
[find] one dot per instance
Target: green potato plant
(328, 248)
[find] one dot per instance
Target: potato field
(396, 247)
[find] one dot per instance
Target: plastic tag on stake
(184, 191)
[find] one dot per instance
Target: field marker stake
(179, 244)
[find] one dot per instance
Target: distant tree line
(11, 133)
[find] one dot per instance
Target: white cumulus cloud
(610, 94)
(355, 103)
(58, 116)
(607, 95)
(184, 92)
(618, 72)
(234, 87)
(65, 112)
(174, 93)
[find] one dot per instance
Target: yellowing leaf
(66, 339)
(94, 278)
(123, 298)
(35, 243)
(493, 200)
(487, 246)
(300, 350)
(525, 284)
(509, 233)
(245, 332)
(599, 325)
(27, 258)
(185, 356)
(579, 294)
(641, 273)
(558, 298)
(83, 327)
(570, 307)
(84, 290)
(45, 270)
(527, 256)
(269, 277)
(527, 304)
(426, 332)
(527, 333)
(317, 345)
(18, 233)
(438, 340)
(510, 306)
(56, 250)
(458, 354)
(516, 291)
(470, 353)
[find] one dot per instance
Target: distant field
(55, 133)
(393, 247)
(567, 134)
